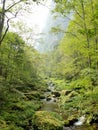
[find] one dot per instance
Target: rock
(53, 96)
(66, 123)
(2, 124)
(48, 90)
(42, 96)
(45, 120)
(72, 94)
(48, 98)
(33, 94)
(55, 100)
(56, 93)
(92, 119)
(70, 121)
(65, 92)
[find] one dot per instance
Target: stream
(50, 104)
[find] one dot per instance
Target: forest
(55, 90)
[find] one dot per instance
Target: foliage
(19, 80)
(18, 61)
(74, 62)
(72, 66)
(17, 111)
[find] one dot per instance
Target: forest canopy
(66, 76)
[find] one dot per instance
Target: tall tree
(4, 9)
(84, 18)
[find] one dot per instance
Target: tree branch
(43, 5)
(13, 5)
(77, 12)
(8, 19)
(75, 22)
(57, 30)
(73, 35)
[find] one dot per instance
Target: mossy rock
(5, 126)
(66, 123)
(71, 120)
(65, 92)
(42, 96)
(2, 124)
(56, 93)
(45, 120)
(48, 98)
(73, 94)
(12, 127)
(33, 94)
(92, 118)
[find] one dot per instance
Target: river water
(50, 104)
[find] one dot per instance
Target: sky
(38, 15)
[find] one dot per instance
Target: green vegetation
(72, 67)
(47, 121)
(19, 82)
(74, 62)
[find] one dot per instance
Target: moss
(12, 127)
(2, 124)
(19, 113)
(66, 123)
(73, 94)
(33, 95)
(47, 121)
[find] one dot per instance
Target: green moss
(12, 127)
(2, 124)
(47, 121)
(66, 122)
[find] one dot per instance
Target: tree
(85, 21)
(7, 8)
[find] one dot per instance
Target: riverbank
(72, 117)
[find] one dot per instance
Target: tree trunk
(86, 33)
(2, 18)
(94, 24)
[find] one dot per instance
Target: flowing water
(49, 103)
(52, 105)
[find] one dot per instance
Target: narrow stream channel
(50, 104)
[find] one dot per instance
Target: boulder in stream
(56, 93)
(48, 98)
(70, 121)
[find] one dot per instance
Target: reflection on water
(83, 127)
(49, 106)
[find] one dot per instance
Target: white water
(80, 121)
